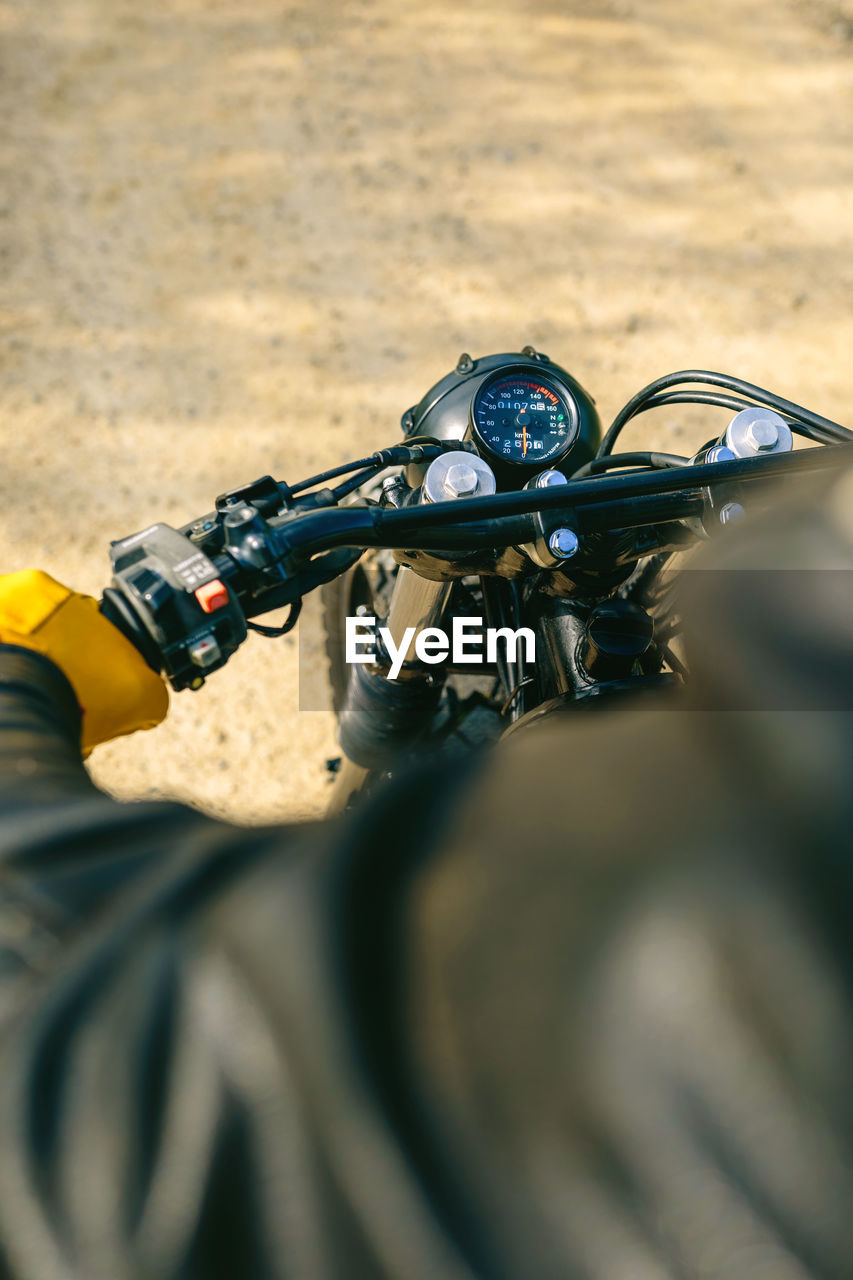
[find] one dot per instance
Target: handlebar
(184, 597)
(469, 523)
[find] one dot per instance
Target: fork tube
(415, 602)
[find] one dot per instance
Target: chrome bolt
(548, 478)
(457, 474)
(563, 543)
(755, 430)
(394, 489)
(730, 512)
(720, 453)
(460, 480)
(762, 435)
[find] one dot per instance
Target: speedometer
(523, 418)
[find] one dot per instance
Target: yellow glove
(116, 689)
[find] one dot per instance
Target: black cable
(644, 459)
(323, 476)
(696, 397)
(495, 598)
(354, 482)
(727, 402)
(418, 448)
(272, 633)
(824, 429)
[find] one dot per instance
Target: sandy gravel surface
(243, 238)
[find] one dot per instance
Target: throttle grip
(115, 608)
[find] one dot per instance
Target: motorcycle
(504, 515)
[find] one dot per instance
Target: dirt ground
(240, 239)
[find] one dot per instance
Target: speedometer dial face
(524, 418)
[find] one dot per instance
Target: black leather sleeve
(66, 848)
(201, 1029)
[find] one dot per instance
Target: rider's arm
(68, 680)
(199, 1028)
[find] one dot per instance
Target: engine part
(616, 635)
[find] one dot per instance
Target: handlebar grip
(116, 610)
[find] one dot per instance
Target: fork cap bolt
(461, 479)
(762, 435)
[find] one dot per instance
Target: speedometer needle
(524, 439)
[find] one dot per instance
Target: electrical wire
(730, 402)
(822, 430)
(323, 476)
(289, 623)
(354, 482)
(416, 449)
(657, 461)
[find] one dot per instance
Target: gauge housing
(447, 412)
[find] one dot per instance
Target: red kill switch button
(213, 595)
